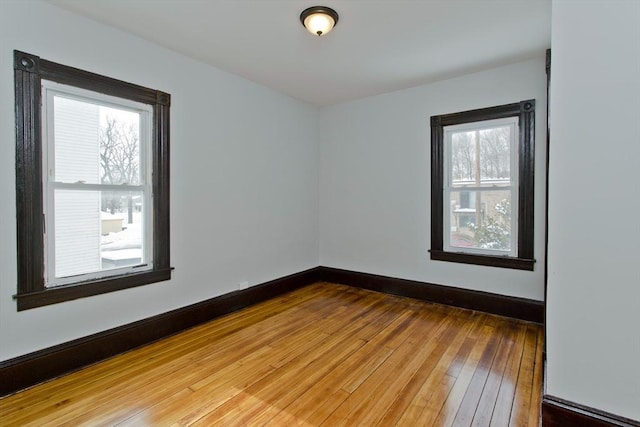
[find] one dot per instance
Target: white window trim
(513, 123)
(49, 91)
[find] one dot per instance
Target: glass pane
(119, 146)
(122, 225)
(97, 231)
(481, 157)
(77, 232)
(480, 220)
(495, 155)
(77, 126)
(95, 144)
(463, 158)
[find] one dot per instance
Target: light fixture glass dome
(319, 20)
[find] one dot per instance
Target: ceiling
(378, 46)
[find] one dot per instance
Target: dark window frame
(525, 111)
(29, 71)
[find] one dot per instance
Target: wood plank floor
(325, 355)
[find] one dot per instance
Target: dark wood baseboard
(33, 368)
(558, 412)
(518, 308)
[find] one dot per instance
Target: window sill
(486, 260)
(90, 288)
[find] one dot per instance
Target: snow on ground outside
(129, 238)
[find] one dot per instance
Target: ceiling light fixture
(319, 20)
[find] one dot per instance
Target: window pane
(77, 126)
(95, 144)
(77, 232)
(493, 146)
(62, 165)
(119, 146)
(463, 158)
(480, 220)
(122, 229)
(97, 231)
(495, 155)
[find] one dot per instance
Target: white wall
(244, 175)
(593, 296)
(375, 179)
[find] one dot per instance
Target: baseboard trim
(518, 308)
(43, 365)
(34, 368)
(558, 412)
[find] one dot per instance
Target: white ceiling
(378, 45)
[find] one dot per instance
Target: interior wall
(593, 306)
(244, 177)
(375, 180)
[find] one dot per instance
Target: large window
(482, 186)
(92, 174)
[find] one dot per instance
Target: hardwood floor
(325, 355)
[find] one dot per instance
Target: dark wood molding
(72, 76)
(525, 111)
(161, 166)
(526, 178)
(29, 71)
(558, 412)
(437, 183)
(29, 202)
(59, 294)
(546, 190)
(518, 308)
(33, 368)
(486, 260)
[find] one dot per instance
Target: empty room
(301, 213)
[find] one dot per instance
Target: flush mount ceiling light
(319, 20)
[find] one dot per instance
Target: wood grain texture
(322, 355)
(34, 368)
(502, 305)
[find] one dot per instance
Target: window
(92, 183)
(482, 186)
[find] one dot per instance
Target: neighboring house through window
(92, 183)
(482, 186)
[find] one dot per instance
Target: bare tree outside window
(119, 158)
(494, 153)
(463, 156)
